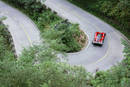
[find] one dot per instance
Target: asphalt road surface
(25, 33)
(91, 57)
(22, 29)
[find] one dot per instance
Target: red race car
(99, 38)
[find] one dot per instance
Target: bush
(64, 35)
(5, 48)
(38, 67)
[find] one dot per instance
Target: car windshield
(99, 37)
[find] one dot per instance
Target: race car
(99, 38)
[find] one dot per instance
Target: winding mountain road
(23, 30)
(25, 33)
(91, 57)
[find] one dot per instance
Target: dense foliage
(5, 48)
(60, 34)
(115, 12)
(39, 67)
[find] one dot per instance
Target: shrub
(38, 67)
(5, 48)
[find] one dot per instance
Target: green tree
(31, 71)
